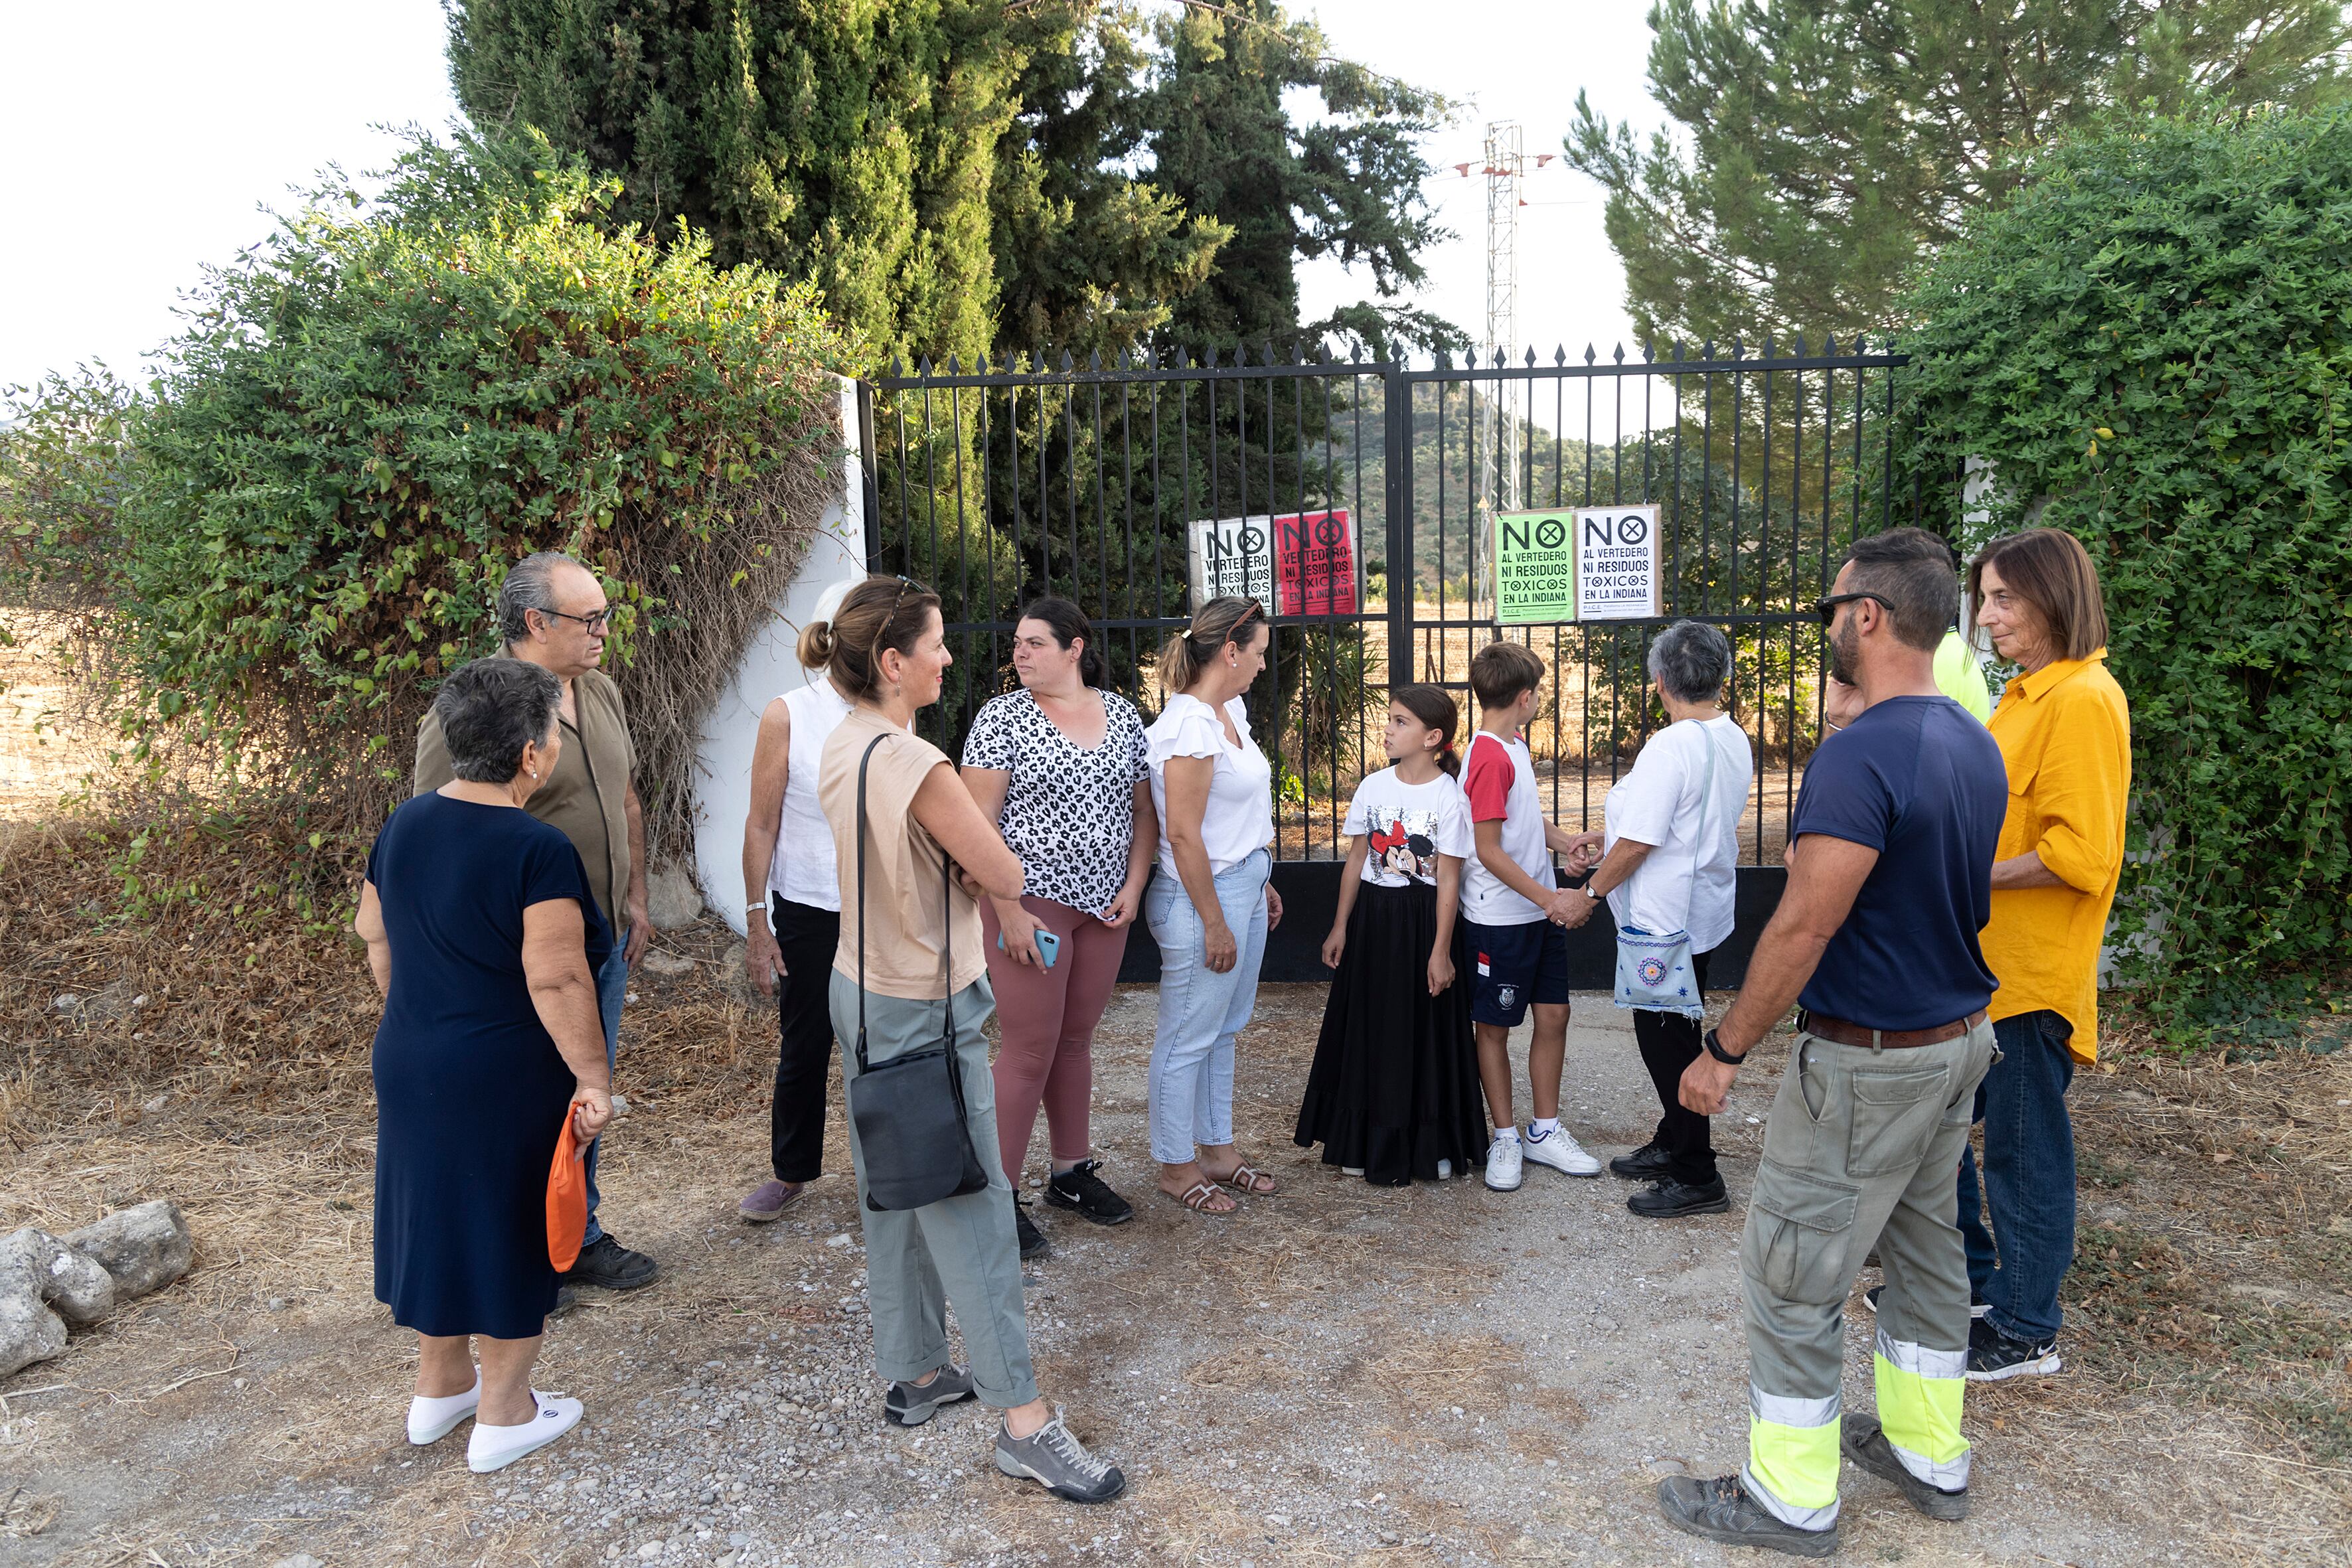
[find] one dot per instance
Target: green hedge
(376, 412)
(2152, 343)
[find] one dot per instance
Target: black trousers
(806, 938)
(1669, 1043)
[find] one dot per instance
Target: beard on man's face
(1845, 654)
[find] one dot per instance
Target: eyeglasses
(1827, 607)
(595, 621)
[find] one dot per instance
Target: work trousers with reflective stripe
(1860, 1147)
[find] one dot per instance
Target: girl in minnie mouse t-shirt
(1393, 1093)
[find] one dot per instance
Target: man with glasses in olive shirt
(551, 613)
(1875, 939)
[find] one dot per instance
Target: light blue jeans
(1200, 1011)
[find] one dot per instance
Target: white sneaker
(1560, 1152)
(493, 1447)
(430, 1420)
(1503, 1165)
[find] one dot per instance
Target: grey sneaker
(1057, 1461)
(1721, 1510)
(1865, 1444)
(912, 1404)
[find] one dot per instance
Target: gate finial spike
(897, 369)
(1269, 346)
(1560, 353)
(1068, 364)
(923, 366)
(1769, 344)
(1619, 356)
(1735, 349)
(1445, 360)
(1531, 356)
(1094, 359)
(1706, 349)
(1800, 345)
(1678, 351)
(1829, 344)
(1649, 351)
(1589, 355)
(980, 363)
(953, 368)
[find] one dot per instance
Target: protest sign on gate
(1230, 555)
(1294, 563)
(1315, 562)
(1535, 567)
(1617, 563)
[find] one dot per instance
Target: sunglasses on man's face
(1826, 607)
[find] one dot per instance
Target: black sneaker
(1080, 1190)
(1646, 1163)
(1865, 1444)
(1721, 1510)
(1994, 1357)
(607, 1264)
(1033, 1241)
(1670, 1199)
(912, 1404)
(1870, 1299)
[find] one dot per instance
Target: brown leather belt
(1850, 1034)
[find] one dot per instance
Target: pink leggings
(1048, 1020)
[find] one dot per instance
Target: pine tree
(1832, 145)
(1224, 143)
(854, 144)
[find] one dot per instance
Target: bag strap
(862, 762)
(1698, 842)
(947, 918)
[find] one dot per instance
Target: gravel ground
(1339, 1374)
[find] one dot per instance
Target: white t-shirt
(1500, 778)
(1687, 881)
(1239, 819)
(1409, 826)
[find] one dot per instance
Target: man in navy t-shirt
(1889, 883)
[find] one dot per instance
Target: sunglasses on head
(1826, 606)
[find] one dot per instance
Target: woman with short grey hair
(1671, 842)
(484, 937)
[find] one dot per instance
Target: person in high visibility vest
(1875, 938)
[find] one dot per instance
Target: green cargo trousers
(1859, 1149)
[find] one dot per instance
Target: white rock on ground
(47, 1282)
(672, 900)
(145, 1248)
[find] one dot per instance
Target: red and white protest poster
(1315, 562)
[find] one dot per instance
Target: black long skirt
(1394, 1087)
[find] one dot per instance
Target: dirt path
(1342, 1375)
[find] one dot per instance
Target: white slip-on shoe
(1503, 1165)
(1560, 1152)
(430, 1420)
(494, 1447)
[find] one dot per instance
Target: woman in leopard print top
(1060, 766)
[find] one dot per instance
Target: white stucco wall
(769, 668)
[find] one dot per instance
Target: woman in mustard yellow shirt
(2065, 734)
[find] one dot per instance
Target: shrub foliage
(2149, 345)
(376, 412)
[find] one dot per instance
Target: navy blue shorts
(1511, 966)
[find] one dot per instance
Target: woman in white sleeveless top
(792, 931)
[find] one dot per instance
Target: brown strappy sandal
(1196, 1198)
(1246, 1181)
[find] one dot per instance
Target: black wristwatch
(1715, 1049)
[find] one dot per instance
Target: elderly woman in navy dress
(485, 939)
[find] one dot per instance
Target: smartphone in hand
(1049, 946)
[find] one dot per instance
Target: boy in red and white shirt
(1512, 910)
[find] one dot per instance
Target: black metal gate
(995, 484)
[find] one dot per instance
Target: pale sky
(143, 140)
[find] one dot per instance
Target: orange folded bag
(567, 1197)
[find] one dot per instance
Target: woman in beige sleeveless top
(919, 963)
